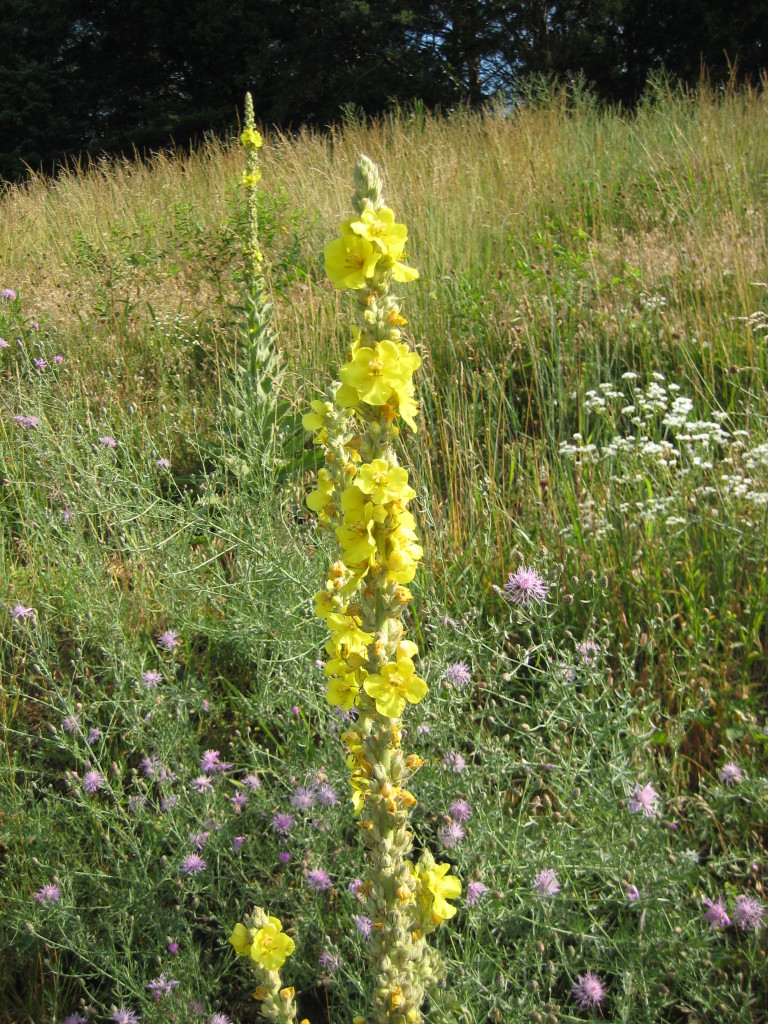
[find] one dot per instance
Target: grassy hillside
(592, 315)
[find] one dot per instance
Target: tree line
(94, 76)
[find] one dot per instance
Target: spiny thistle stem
(363, 495)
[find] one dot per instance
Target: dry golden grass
(538, 234)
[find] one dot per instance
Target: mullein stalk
(263, 362)
(363, 494)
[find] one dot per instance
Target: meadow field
(592, 318)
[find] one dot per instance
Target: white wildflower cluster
(655, 302)
(657, 427)
(691, 465)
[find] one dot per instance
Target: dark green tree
(93, 76)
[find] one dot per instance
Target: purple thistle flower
(731, 774)
(22, 612)
(460, 810)
(58, 358)
(124, 1016)
(211, 762)
(252, 781)
(282, 823)
(716, 915)
(354, 886)
(476, 892)
(748, 913)
(161, 986)
(3, 343)
(93, 781)
(633, 893)
(199, 839)
(363, 925)
(458, 674)
(327, 795)
(329, 960)
(48, 894)
(454, 762)
(450, 835)
(422, 730)
(193, 864)
(163, 463)
(173, 948)
(589, 651)
(40, 364)
(151, 678)
(28, 422)
(196, 1008)
(239, 801)
(318, 879)
(8, 293)
(108, 441)
(201, 783)
(303, 798)
(525, 587)
(546, 883)
(149, 766)
(169, 640)
(284, 856)
(644, 800)
(237, 842)
(588, 990)
(168, 803)
(74, 1018)
(219, 1018)
(94, 733)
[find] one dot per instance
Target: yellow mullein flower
(403, 557)
(251, 139)
(358, 509)
(241, 939)
(270, 947)
(359, 789)
(437, 886)
(369, 372)
(384, 483)
(358, 544)
(351, 739)
(317, 420)
(406, 404)
(350, 261)
(327, 602)
(393, 686)
(379, 227)
(402, 274)
(321, 500)
(406, 649)
(374, 373)
(346, 636)
(342, 691)
(251, 178)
